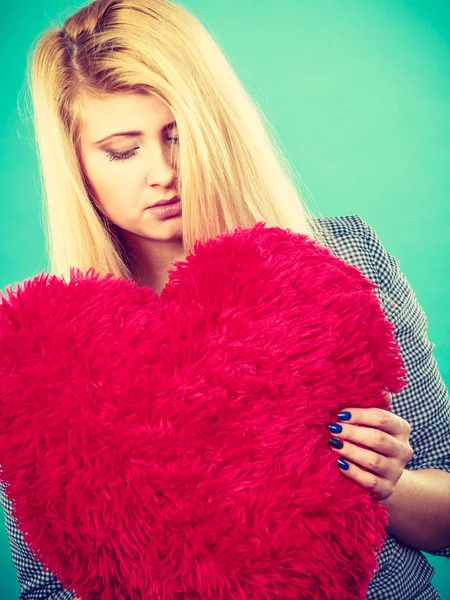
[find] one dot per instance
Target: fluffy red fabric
(177, 446)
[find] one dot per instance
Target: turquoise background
(359, 94)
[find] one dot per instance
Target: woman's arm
(419, 509)
(415, 488)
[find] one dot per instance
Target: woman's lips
(166, 211)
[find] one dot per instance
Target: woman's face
(128, 174)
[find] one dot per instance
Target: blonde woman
(148, 142)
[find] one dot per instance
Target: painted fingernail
(335, 428)
(334, 443)
(343, 464)
(344, 416)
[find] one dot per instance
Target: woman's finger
(374, 439)
(377, 418)
(379, 487)
(372, 461)
(387, 396)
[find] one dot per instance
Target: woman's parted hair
(230, 170)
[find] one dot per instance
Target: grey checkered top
(403, 573)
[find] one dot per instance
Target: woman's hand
(379, 463)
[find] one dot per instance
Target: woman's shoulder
(351, 238)
(345, 232)
(341, 226)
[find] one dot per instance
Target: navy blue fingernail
(335, 443)
(343, 464)
(344, 416)
(335, 428)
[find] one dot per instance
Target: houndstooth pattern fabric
(403, 572)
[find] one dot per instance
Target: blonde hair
(230, 170)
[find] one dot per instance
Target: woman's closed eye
(130, 153)
(122, 155)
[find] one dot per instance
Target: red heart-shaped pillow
(177, 446)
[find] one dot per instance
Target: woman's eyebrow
(133, 133)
